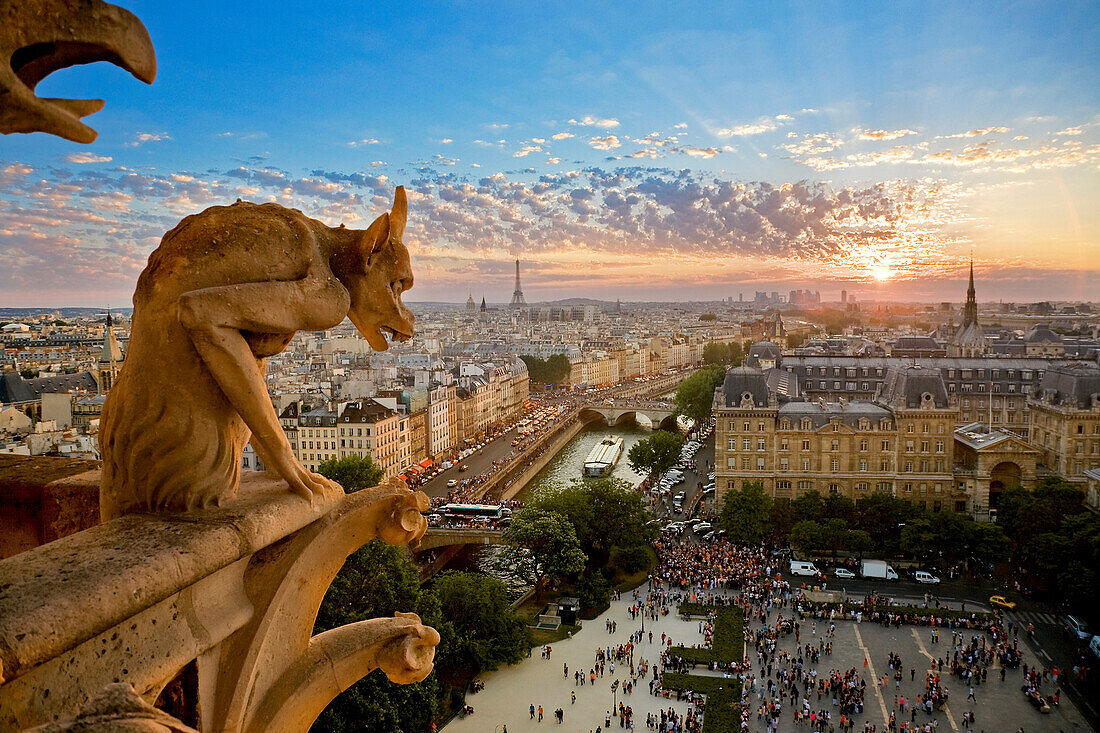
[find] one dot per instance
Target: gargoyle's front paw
(410, 657)
(308, 485)
(405, 523)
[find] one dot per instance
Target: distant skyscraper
(517, 296)
(843, 296)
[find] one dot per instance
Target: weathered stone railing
(234, 591)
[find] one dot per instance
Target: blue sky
(634, 150)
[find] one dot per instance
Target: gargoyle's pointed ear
(375, 237)
(399, 213)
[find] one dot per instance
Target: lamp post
(615, 697)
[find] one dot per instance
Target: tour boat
(604, 456)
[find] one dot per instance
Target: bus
(483, 512)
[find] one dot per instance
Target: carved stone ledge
(238, 587)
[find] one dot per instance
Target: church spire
(970, 311)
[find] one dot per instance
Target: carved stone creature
(38, 38)
(225, 289)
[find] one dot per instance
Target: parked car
(844, 573)
(1077, 627)
(1001, 602)
(702, 528)
(452, 483)
(923, 577)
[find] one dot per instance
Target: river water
(566, 465)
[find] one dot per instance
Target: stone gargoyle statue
(38, 38)
(225, 289)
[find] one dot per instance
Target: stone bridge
(447, 536)
(659, 413)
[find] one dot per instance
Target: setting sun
(881, 272)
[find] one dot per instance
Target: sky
(634, 150)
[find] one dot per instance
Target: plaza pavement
(510, 692)
(999, 707)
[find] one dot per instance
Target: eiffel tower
(517, 296)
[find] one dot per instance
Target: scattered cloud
(81, 158)
(496, 126)
(562, 135)
(762, 125)
(148, 137)
(610, 142)
(680, 126)
(364, 142)
(1075, 130)
(812, 144)
(590, 121)
(445, 141)
(706, 153)
(883, 134)
(526, 150)
(978, 132)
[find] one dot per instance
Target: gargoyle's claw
(39, 38)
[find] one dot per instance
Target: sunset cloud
(883, 134)
(762, 125)
(979, 132)
(610, 142)
(590, 121)
(82, 158)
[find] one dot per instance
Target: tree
(794, 340)
(656, 454)
(554, 370)
(781, 518)
(746, 513)
(486, 632)
(352, 472)
(806, 536)
(708, 317)
(550, 540)
(725, 354)
(594, 591)
(378, 580)
(695, 395)
(605, 513)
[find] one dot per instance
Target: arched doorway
(1003, 476)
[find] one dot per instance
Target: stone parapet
(234, 589)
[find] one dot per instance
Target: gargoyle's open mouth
(41, 38)
(394, 334)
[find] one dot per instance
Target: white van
(922, 577)
(802, 567)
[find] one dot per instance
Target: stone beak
(40, 38)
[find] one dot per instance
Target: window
(805, 464)
(908, 446)
(884, 465)
(939, 446)
(805, 485)
(783, 444)
(924, 446)
(834, 444)
(760, 444)
(908, 488)
(863, 486)
(759, 464)
(885, 486)
(744, 464)
(746, 426)
(834, 488)
(924, 466)
(732, 444)
(862, 464)
(805, 445)
(885, 445)
(909, 467)
(783, 485)
(834, 465)
(863, 445)
(759, 427)
(731, 463)
(746, 444)
(783, 464)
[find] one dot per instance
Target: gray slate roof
(1075, 385)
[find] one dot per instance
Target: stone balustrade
(231, 593)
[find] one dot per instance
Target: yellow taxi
(1000, 602)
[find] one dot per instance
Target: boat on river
(604, 456)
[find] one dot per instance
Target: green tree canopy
(378, 580)
(550, 541)
(352, 472)
(553, 370)
(605, 513)
(695, 395)
(746, 513)
(724, 354)
(656, 454)
(486, 631)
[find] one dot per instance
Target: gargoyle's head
(379, 273)
(38, 38)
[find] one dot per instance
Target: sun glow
(881, 272)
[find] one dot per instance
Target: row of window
(1026, 375)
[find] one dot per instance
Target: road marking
(925, 652)
(874, 676)
(1044, 653)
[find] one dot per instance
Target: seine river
(566, 465)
